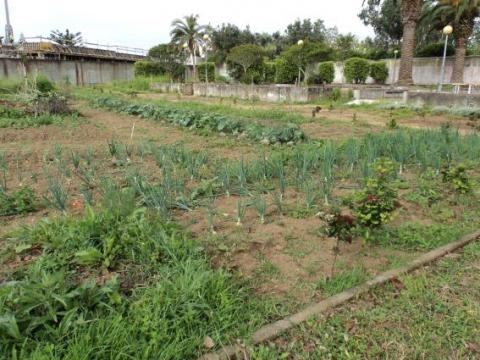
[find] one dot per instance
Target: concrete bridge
(78, 65)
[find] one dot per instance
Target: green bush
(379, 71)
(21, 201)
(203, 68)
(335, 95)
(269, 70)
(253, 75)
(148, 68)
(434, 50)
(326, 72)
(378, 200)
(43, 84)
(356, 70)
(286, 73)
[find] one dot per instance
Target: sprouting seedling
(211, 217)
(282, 183)
(75, 156)
(58, 152)
(310, 195)
(278, 201)
(241, 211)
(89, 155)
(261, 206)
(4, 169)
(58, 194)
(354, 117)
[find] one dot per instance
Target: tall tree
(461, 14)
(66, 38)
(188, 32)
(305, 30)
(410, 12)
(385, 19)
(170, 58)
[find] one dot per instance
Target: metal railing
(115, 48)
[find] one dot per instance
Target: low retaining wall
(443, 99)
(272, 93)
(291, 93)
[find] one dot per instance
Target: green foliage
(202, 120)
(377, 201)
(41, 83)
(13, 118)
(246, 56)
(379, 71)
(169, 58)
(205, 68)
(269, 71)
(64, 304)
(286, 73)
(434, 50)
(340, 225)
(335, 95)
(148, 68)
(326, 72)
(21, 201)
(10, 86)
(306, 54)
(458, 178)
(356, 70)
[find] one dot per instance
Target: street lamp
(8, 26)
(206, 40)
(300, 43)
(447, 30)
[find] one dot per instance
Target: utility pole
(8, 27)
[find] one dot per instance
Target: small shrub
(377, 201)
(379, 72)
(457, 176)
(286, 72)
(356, 70)
(340, 225)
(326, 72)
(335, 95)
(43, 84)
(148, 68)
(21, 201)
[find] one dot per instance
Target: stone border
(271, 331)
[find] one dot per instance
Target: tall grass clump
(117, 285)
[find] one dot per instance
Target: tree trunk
(460, 51)
(194, 62)
(405, 77)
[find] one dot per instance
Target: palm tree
(410, 14)
(188, 32)
(461, 14)
(67, 38)
(410, 11)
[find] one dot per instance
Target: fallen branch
(271, 331)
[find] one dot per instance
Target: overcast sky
(144, 23)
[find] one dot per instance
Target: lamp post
(447, 30)
(206, 40)
(8, 26)
(300, 43)
(395, 53)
